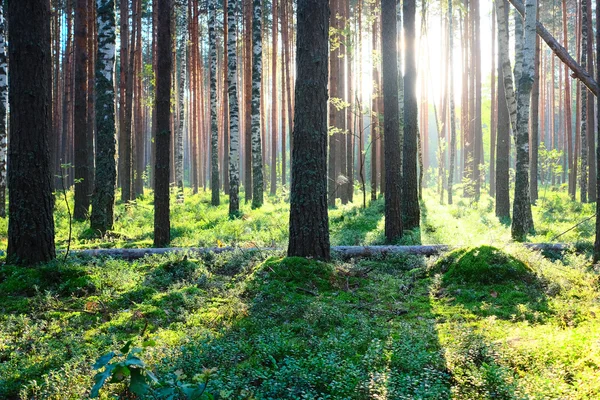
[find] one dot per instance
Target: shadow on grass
(351, 227)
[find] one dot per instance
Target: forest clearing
(299, 199)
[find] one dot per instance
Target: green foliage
(483, 265)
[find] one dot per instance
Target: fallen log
(561, 52)
(340, 252)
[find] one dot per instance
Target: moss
(482, 265)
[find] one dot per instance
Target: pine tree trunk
(393, 212)
(309, 225)
(257, 157)
(82, 199)
(124, 57)
(522, 222)
(410, 195)
(162, 224)
(477, 131)
(234, 118)
(3, 104)
(214, 129)
(332, 166)
(567, 106)
(583, 182)
(274, 114)
(590, 109)
(534, 134)
(451, 97)
(103, 198)
(503, 122)
(31, 224)
(597, 241)
(374, 129)
(493, 111)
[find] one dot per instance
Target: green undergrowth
(195, 223)
(476, 323)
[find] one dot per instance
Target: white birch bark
(503, 54)
(179, 134)
(583, 179)
(257, 171)
(234, 131)
(214, 131)
(3, 103)
(522, 222)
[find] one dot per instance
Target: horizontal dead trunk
(341, 252)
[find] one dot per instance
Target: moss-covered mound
(482, 265)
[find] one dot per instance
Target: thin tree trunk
(494, 110)
(257, 156)
(3, 104)
(534, 134)
(274, 122)
(214, 138)
(234, 118)
(567, 105)
(583, 182)
(248, 101)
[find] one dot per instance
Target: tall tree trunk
(234, 118)
(214, 128)
(91, 95)
(597, 241)
(248, 101)
(257, 157)
(82, 199)
(494, 110)
(590, 109)
(503, 129)
(180, 130)
(225, 102)
(584, 104)
(393, 212)
(162, 223)
(451, 96)
(534, 134)
(522, 222)
(410, 195)
(374, 129)
(567, 105)
(309, 224)
(30, 224)
(124, 57)
(103, 198)
(3, 104)
(274, 114)
(333, 93)
(477, 131)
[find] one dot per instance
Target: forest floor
(475, 323)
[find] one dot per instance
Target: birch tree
(234, 118)
(179, 136)
(106, 175)
(583, 180)
(522, 222)
(257, 165)
(214, 126)
(3, 102)
(504, 59)
(451, 96)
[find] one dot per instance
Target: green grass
(195, 223)
(488, 320)
(277, 328)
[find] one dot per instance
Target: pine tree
(309, 224)
(31, 223)
(162, 224)
(393, 212)
(410, 195)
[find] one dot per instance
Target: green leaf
(149, 343)
(100, 379)
(102, 361)
(193, 392)
(135, 362)
(138, 384)
(125, 349)
(120, 372)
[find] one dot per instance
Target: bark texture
(257, 166)
(234, 113)
(31, 224)
(309, 223)
(164, 64)
(391, 125)
(214, 127)
(106, 175)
